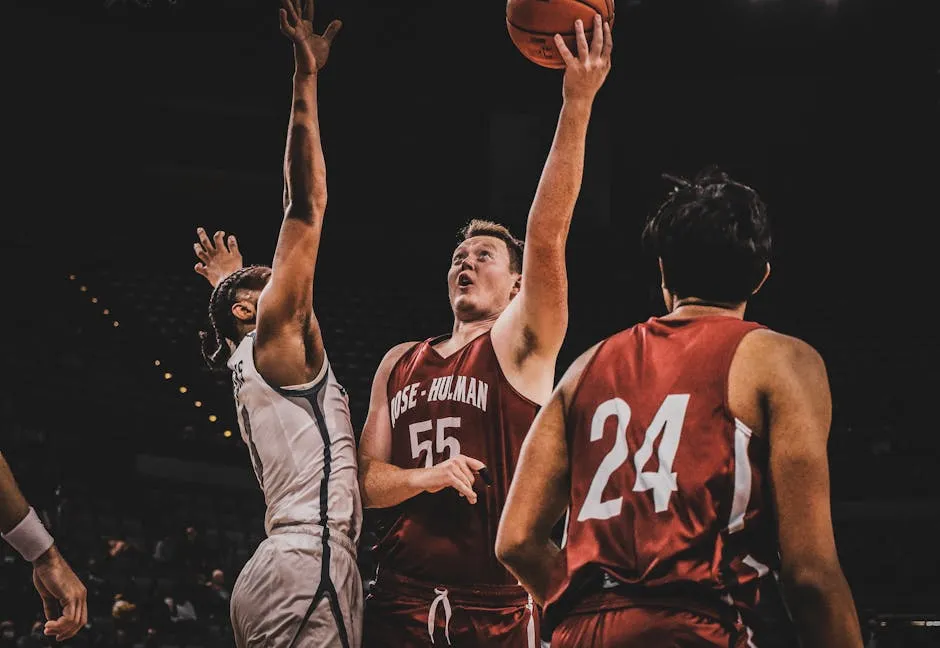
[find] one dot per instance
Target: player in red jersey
(690, 453)
(442, 409)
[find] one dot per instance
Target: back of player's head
(230, 290)
(478, 227)
(713, 237)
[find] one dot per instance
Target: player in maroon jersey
(443, 409)
(690, 454)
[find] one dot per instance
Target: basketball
(532, 26)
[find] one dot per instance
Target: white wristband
(29, 537)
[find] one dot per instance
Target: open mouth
(464, 280)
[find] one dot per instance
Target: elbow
(811, 582)
(510, 547)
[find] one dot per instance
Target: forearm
(560, 184)
(13, 506)
(533, 565)
(304, 164)
(824, 613)
(384, 484)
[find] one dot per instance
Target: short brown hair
(479, 227)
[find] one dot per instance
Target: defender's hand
(585, 74)
(63, 595)
(457, 473)
(216, 261)
(310, 50)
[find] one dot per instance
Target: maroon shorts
(601, 620)
(401, 612)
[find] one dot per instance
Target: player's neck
(690, 308)
(465, 332)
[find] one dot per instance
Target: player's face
(480, 282)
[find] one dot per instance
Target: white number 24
(668, 423)
(443, 441)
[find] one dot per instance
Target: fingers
(218, 240)
(286, 29)
(308, 11)
(468, 475)
(292, 17)
(581, 39)
(233, 244)
(201, 269)
(608, 43)
(201, 253)
(597, 38)
(204, 239)
(566, 54)
(475, 464)
(461, 486)
(332, 29)
(49, 607)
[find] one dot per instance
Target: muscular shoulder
(770, 353)
(769, 369)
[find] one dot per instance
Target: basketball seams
(588, 4)
(538, 33)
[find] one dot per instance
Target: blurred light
(167, 375)
(71, 277)
(106, 311)
(94, 300)
(116, 324)
(213, 418)
(183, 389)
(156, 363)
(198, 403)
(83, 288)
(227, 433)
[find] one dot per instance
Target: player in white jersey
(302, 585)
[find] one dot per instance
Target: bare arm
(538, 495)
(536, 321)
(13, 506)
(799, 409)
(63, 595)
(384, 484)
(289, 344)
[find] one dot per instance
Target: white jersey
(302, 446)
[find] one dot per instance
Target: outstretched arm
(63, 595)
(799, 412)
(538, 495)
(536, 321)
(289, 345)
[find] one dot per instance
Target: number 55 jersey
(441, 407)
(670, 505)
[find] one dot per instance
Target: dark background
(129, 123)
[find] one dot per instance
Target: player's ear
(244, 311)
(766, 274)
(516, 286)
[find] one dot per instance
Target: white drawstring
(432, 613)
(530, 628)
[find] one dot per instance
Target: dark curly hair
(224, 327)
(713, 236)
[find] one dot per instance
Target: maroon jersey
(669, 494)
(441, 407)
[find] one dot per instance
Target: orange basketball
(533, 24)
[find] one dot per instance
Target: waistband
(605, 594)
(469, 595)
(338, 538)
